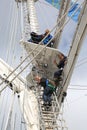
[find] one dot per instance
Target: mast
(29, 22)
(32, 16)
(77, 42)
(62, 13)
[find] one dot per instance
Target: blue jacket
(47, 39)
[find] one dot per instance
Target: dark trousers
(47, 94)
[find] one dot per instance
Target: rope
(81, 63)
(15, 121)
(14, 35)
(77, 89)
(38, 52)
(44, 13)
(2, 98)
(7, 28)
(22, 25)
(78, 85)
(11, 33)
(6, 21)
(4, 101)
(10, 110)
(82, 60)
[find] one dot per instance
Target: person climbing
(60, 65)
(49, 87)
(35, 38)
(58, 73)
(57, 76)
(48, 38)
(62, 62)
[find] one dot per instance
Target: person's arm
(55, 62)
(52, 82)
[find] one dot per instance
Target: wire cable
(78, 85)
(11, 33)
(76, 89)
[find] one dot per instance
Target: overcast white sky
(76, 101)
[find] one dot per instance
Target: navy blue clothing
(47, 98)
(35, 37)
(43, 82)
(47, 94)
(47, 39)
(62, 63)
(48, 89)
(58, 73)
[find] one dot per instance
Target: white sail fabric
(28, 101)
(29, 108)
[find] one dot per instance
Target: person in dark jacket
(48, 38)
(49, 88)
(60, 65)
(58, 73)
(35, 38)
(62, 62)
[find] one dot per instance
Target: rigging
(56, 105)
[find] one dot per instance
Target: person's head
(47, 31)
(61, 56)
(41, 81)
(37, 78)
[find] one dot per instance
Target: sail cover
(56, 3)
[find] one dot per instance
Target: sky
(75, 108)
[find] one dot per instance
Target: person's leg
(45, 97)
(49, 99)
